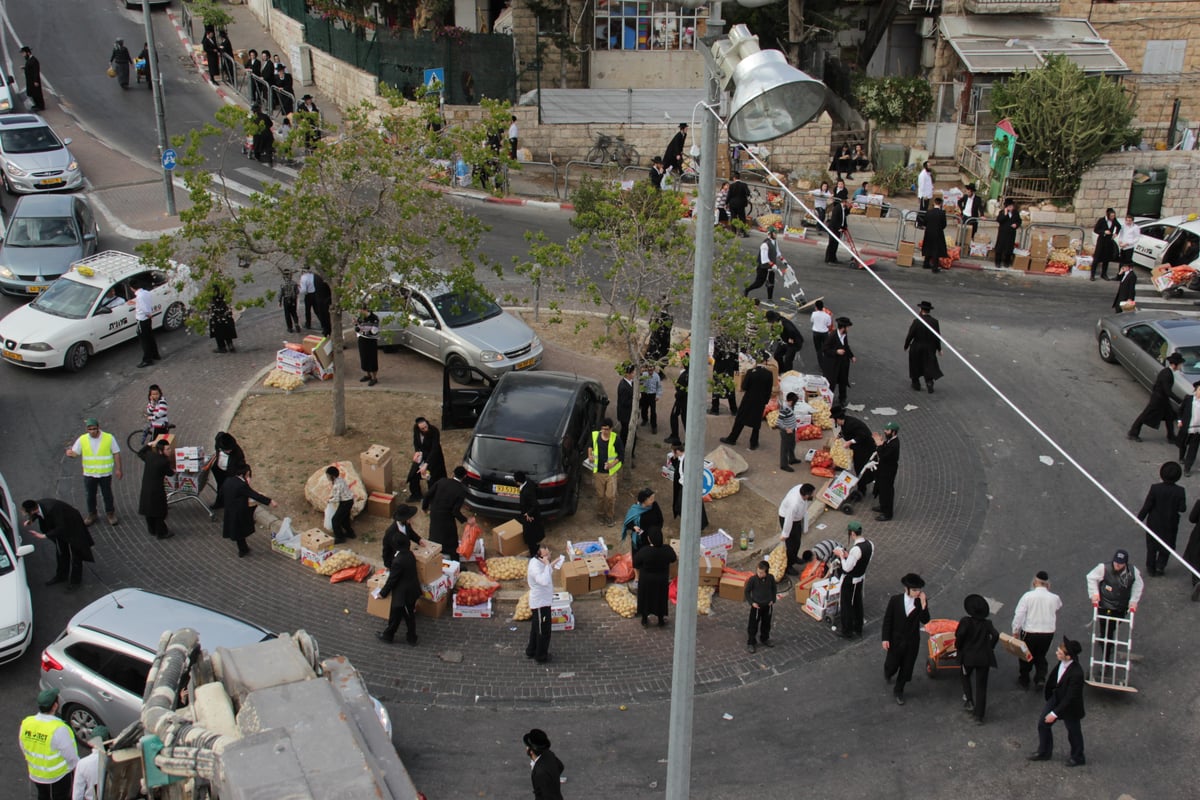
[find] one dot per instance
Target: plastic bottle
(744, 542)
(752, 536)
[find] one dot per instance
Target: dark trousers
(923, 203)
(792, 543)
(852, 607)
(145, 334)
(763, 274)
(1168, 419)
(61, 789)
(68, 566)
(729, 397)
(1188, 444)
(1046, 734)
(737, 431)
(157, 526)
(900, 659)
(414, 481)
(678, 414)
(759, 624)
(648, 408)
(818, 345)
(885, 491)
(104, 484)
(341, 521)
(1157, 555)
(787, 447)
(289, 314)
(223, 345)
(785, 356)
(1039, 646)
(975, 691)
(241, 545)
(310, 303)
(831, 249)
(739, 213)
(401, 611)
(539, 635)
(322, 309)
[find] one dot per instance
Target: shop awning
(995, 44)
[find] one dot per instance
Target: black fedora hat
(403, 513)
(536, 740)
(913, 581)
(976, 606)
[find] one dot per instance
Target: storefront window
(648, 26)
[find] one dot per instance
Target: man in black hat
(1064, 700)
(64, 525)
(837, 359)
(1160, 407)
(976, 638)
(768, 257)
(33, 81)
(791, 341)
(673, 155)
(443, 502)
(1126, 287)
(401, 528)
(933, 246)
(757, 385)
(532, 530)
(855, 433)
(887, 445)
(657, 172)
(1160, 511)
(924, 347)
(545, 770)
(404, 586)
(901, 632)
(972, 210)
(839, 223)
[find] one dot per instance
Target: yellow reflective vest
(611, 454)
(46, 765)
(99, 462)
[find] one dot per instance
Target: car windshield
(1191, 359)
(41, 232)
(460, 308)
(506, 455)
(67, 298)
(29, 140)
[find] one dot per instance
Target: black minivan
(538, 423)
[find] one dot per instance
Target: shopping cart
(791, 286)
(1112, 643)
(183, 486)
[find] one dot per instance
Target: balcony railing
(1011, 6)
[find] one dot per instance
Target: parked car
(1172, 240)
(1140, 341)
(44, 236)
(86, 311)
(6, 94)
(16, 607)
(539, 423)
(99, 663)
(32, 157)
(461, 330)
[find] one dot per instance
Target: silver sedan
(1140, 341)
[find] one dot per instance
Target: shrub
(891, 102)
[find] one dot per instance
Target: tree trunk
(339, 372)
(795, 31)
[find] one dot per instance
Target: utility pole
(159, 113)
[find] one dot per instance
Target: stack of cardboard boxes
(375, 466)
(586, 568)
(437, 576)
(562, 618)
(316, 546)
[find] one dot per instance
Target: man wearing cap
(924, 347)
(837, 359)
(1160, 407)
(87, 771)
(1064, 700)
(65, 526)
(976, 638)
(854, 567)
(901, 632)
(49, 748)
(793, 522)
(604, 453)
(401, 528)
(887, 445)
(101, 461)
(1115, 589)
(1034, 621)
(545, 770)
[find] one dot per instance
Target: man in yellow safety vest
(605, 459)
(49, 748)
(101, 461)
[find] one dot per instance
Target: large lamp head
(771, 98)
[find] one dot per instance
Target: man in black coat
(427, 450)
(625, 393)
(532, 530)
(976, 638)
(1106, 229)
(673, 155)
(33, 81)
(236, 494)
(790, 341)
(322, 304)
(443, 502)
(839, 223)
(1164, 503)
(152, 502)
(1064, 701)
(1160, 407)
(887, 446)
(401, 528)
(855, 433)
(63, 525)
(923, 348)
(737, 200)
(757, 385)
(901, 632)
(679, 406)
(546, 770)
(933, 247)
(837, 358)
(1126, 287)
(404, 587)
(725, 366)
(972, 210)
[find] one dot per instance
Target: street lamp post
(160, 115)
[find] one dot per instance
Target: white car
(1171, 240)
(88, 310)
(16, 608)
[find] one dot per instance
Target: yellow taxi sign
(86, 272)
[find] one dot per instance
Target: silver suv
(100, 662)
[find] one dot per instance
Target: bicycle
(139, 438)
(612, 149)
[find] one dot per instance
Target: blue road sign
(168, 159)
(435, 75)
(707, 482)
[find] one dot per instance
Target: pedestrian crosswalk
(239, 183)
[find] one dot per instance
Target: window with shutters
(1164, 57)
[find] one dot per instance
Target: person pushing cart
(1115, 588)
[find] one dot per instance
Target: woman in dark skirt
(220, 322)
(227, 457)
(367, 328)
(653, 563)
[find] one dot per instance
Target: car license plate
(529, 362)
(50, 182)
(12, 356)
(34, 289)
(502, 489)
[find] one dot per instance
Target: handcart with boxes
(191, 476)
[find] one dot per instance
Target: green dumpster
(888, 156)
(1146, 192)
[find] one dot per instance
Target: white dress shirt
(143, 305)
(925, 185)
(540, 577)
(1037, 611)
(87, 775)
(307, 284)
(793, 509)
(822, 321)
(1129, 235)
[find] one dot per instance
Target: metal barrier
(553, 168)
(1072, 231)
(257, 90)
(282, 101)
(186, 20)
(233, 73)
(986, 225)
(954, 227)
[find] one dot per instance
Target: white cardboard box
(437, 590)
(482, 611)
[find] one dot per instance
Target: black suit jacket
(63, 523)
(391, 538)
(236, 495)
(402, 582)
(545, 776)
(1160, 405)
(832, 345)
(1066, 692)
(429, 445)
(972, 207)
(1162, 507)
(1126, 289)
(624, 401)
(934, 245)
(445, 497)
(976, 641)
(757, 385)
(673, 155)
(901, 631)
(838, 217)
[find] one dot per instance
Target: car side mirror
(103, 310)
(89, 237)
(429, 323)
(25, 550)
(66, 142)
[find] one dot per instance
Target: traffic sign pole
(159, 112)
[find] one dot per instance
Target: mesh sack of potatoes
(318, 488)
(841, 454)
(777, 561)
(507, 568)
(523, 613)
(473, 580)
(704, 596)
(278, 379)
(342, 559)
(820, 414)
(621, 600)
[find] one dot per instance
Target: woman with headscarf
(653, 563)
(367, 329)
(221, 326)
(120, 61)
(976, 638)
(642, 516)
(236, 494)
(427, 452)
(227, 457)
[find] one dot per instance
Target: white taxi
(1171, 240)
(88, 310)
(16, 607)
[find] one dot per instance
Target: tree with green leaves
(1065, 120)
(359, 213)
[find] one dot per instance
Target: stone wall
(553, 66)
(623, 69)
(1107, 184)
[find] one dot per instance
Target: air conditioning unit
(928, 27)
(928, 52)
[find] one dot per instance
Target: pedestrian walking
(1160, 407)
(33, 80)
(764, 273)
(673, 155)
(839, 224)
(643, 516)
(227, 457)
(86, 783)
(858, 437)
(1160, 511)
(790, 343)
(404, 588)
(221, 325)
(760, 595)
(887, 449)
(757, 385)
(236, 494)
(427, 451)
(793, 522)
(65, 526)
(933, 246)
(540, 577)
(339, 506)
(725, 367)
(676, 462)
(513, 135)
(822, 322)
(976, 638)
(308, 290)
(51, 753)
(924, 347)
(101, 456)
(901, 632)
(119, 62)
(366, 328)
(653, 563)
(401, 528)
(143, 312)
(838, 358)
(679, 401)
(545, 770)
(1064, 700)
(322, 304)
(443, 502)
(854, 562)
(738, 201)
(212, 55)
(649, 390)
(158, 465)
(288, 294)
(924, 187)
(226, 56)
(1035, 620)
(1116, 589)
(1107, 231)
(785, 422)
(604, 455)
(532, 530)
(625, 392)
(1008, 221)
(1126, 287)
